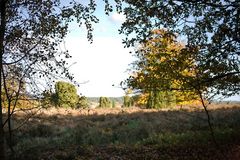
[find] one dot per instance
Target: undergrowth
(158, 129)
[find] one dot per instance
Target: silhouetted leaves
(210, 30)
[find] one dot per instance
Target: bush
(105, 102)
(127, 101)
(160, 99)
(82, 102)
(113, 104)
(49, 99)
(66, 94)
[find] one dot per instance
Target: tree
(160, 99)
(160, 70)
(105, 102)
(82, 102)
(49, 99)
(30, 35)
(127, 101)
(211, 32)
(11, 89)
(66, 94)
(113, 103)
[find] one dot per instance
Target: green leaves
(66, 94)
(105, 102)
(210, 31)
(128, 101)
(163, 68)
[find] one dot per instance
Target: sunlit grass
(62, 129)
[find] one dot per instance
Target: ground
(127, 133)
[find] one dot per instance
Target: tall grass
(58, 131)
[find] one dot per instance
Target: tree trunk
(2, 144)
(2, 33)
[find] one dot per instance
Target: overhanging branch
(215, 78)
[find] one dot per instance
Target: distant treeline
(115, 99)
(226, 102)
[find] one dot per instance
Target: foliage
(140, 100)
(127, 101)
(82, 102)
(160, 71)
(160, 99)
(118, 100)
(31, 33)
(113, 104)
(33, 46)
(49, 99)
(156, 99)
(66, 94)
(211, 33)
(105, 102)
(14, 92)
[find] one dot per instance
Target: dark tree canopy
(211, 30)
(31, 32)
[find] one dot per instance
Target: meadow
(127, 133)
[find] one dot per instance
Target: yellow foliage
(162, 62)
(186, 98)
(142, 99)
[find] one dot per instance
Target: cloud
(117, 18)
(102, 63)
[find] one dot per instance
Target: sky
(102, 64)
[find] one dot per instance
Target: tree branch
(220, 77)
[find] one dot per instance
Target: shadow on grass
(126, 134)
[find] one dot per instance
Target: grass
(98, 133)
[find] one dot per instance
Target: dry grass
(90, 133)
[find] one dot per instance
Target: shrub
(113, 104)
(82, 102)
(105, 102)
(49, 99)
(127, 101)
(66, 94)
